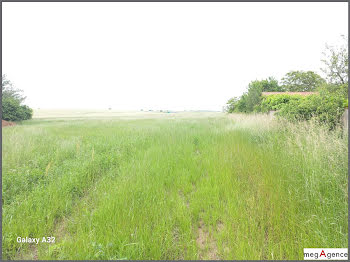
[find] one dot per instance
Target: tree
(12, 110)
(334, 90)
(255, 88)
(336, 63)
(242, 104)
(269, 85)
(301, 81)
(231, 104)
(250, 101)
(253, 95)
(8, 90)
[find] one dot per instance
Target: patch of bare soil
(32, 253)
(7, 123)
(220, 226)
(61, 229)
(204, 238)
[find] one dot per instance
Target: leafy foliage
(250, 100)
(326, 107)
(327, 110)
(253, 99)
(300, 81)
(268, 85)
(8, 90)
(276, 102)
(231, 104)
(336, 63)
(12, 110)
(333, 89)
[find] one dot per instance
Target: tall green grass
(228, 187)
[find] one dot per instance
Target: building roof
(289, 93)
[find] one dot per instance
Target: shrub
(276, 102)
(12, 110)
(326, 110)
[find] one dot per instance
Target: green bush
(326, 110)
(12, 98)
(327, 107)
(12, 110)
(276, 102)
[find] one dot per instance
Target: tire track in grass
(60, 224)
(206, 243)
(100, 170)
(86, 204)
(86, 200)
(60, 228)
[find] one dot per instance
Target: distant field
(150, 185)
(84, 113)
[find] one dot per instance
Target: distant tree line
(12, 99)
(327, 106)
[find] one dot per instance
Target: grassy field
(172, 186)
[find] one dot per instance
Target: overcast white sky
(159, 55)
